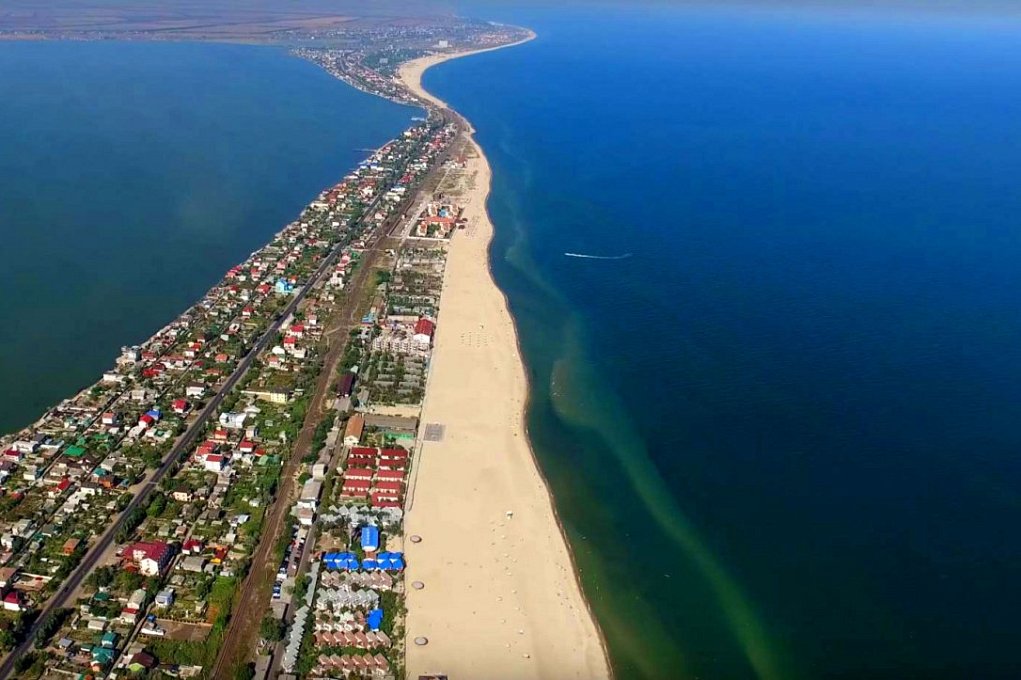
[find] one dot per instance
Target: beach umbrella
(368, 564)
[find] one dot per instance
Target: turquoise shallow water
(782, 434)
(133, 175)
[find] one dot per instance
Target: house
(7, 576)
(347, 384)
(137, 599)
(387, 489)
(70, 546)
(193, 563)
(354, 488)
(277, 395)
(358, 474)
(109, 639)
(182, 494)
(233, 421)
(142, 661)
(180, 406)
(152, 557)
(192, 546)
(390, 476)
(310, 494)
(305, 516)
(425, 327)
(196, 390)
(353, 430)
(134, 606)
(215, 462)
(165, 598)
(12, 601)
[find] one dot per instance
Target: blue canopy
(374, 619)
(397, 565)
(368, 563)
(370, 538)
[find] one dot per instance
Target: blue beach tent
(374, 619)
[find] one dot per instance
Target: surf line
(599, 257)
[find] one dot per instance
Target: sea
(781, 423)
(782, 426)
(133, 175)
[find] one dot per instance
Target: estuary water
(133, 175)
(783, 434)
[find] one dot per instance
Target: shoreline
(578, 658)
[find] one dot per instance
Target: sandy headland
(499, 597)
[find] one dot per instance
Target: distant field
(186, 19)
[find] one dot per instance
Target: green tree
(246, 672)
(128, 581)
(272, 628)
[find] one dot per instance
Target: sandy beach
(500, 597)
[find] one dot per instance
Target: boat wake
(599, 257)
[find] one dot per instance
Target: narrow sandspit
(499, 597)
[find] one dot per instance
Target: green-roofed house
(74, 452)
(102, 656)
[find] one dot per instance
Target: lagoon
(133, 175)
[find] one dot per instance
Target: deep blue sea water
(133, 175)
(784, 436)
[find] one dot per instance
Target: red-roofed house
(387, 487)
(384, 501)
(358, 473)
(12, 601)
(152, 557)
(192, 546)
(390, 475)
(425, 327)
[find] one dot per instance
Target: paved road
(183, 444)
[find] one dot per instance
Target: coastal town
(229, 499)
